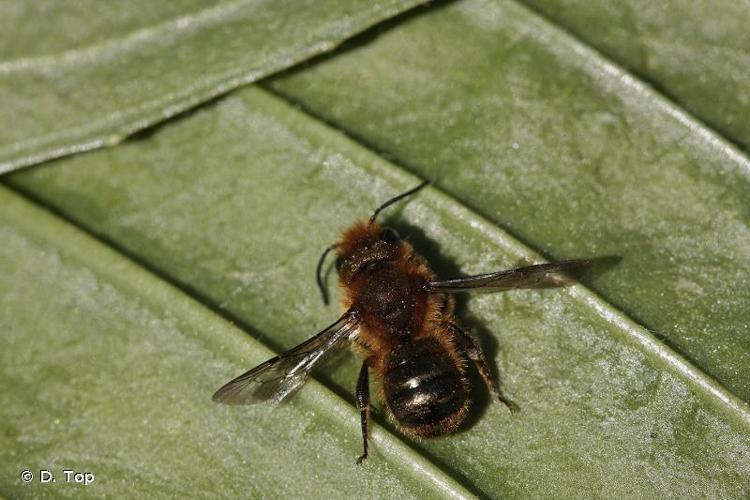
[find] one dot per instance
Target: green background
(137, 279)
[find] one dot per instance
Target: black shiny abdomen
(423, 388)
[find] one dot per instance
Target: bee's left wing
(282, 375)
(539, 276)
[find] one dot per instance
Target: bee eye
(339, 263)
(389, 235)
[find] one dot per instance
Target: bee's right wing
(538, 276)
(282, 375)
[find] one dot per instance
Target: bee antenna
(397, 198)
(319, 274)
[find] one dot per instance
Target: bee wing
(282, 375)
(539, 276)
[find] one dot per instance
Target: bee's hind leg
(363, 403)
(474, 352)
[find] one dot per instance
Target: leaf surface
(234, 203)
(84, 74)
(697, 52)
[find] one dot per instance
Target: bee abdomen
(424, 389)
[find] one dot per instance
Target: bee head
(364, 245)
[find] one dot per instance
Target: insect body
(400, 319)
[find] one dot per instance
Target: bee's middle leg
(363, 403)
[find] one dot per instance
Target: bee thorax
(389, 298)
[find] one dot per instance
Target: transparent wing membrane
(282, 375)
(538, 276)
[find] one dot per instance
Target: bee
(400, 318)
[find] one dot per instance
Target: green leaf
(567, 152)
(234, 204)
(81, 74)
(697, 52)
(108, 365)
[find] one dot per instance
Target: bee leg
(363, 403)
(472, 349)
